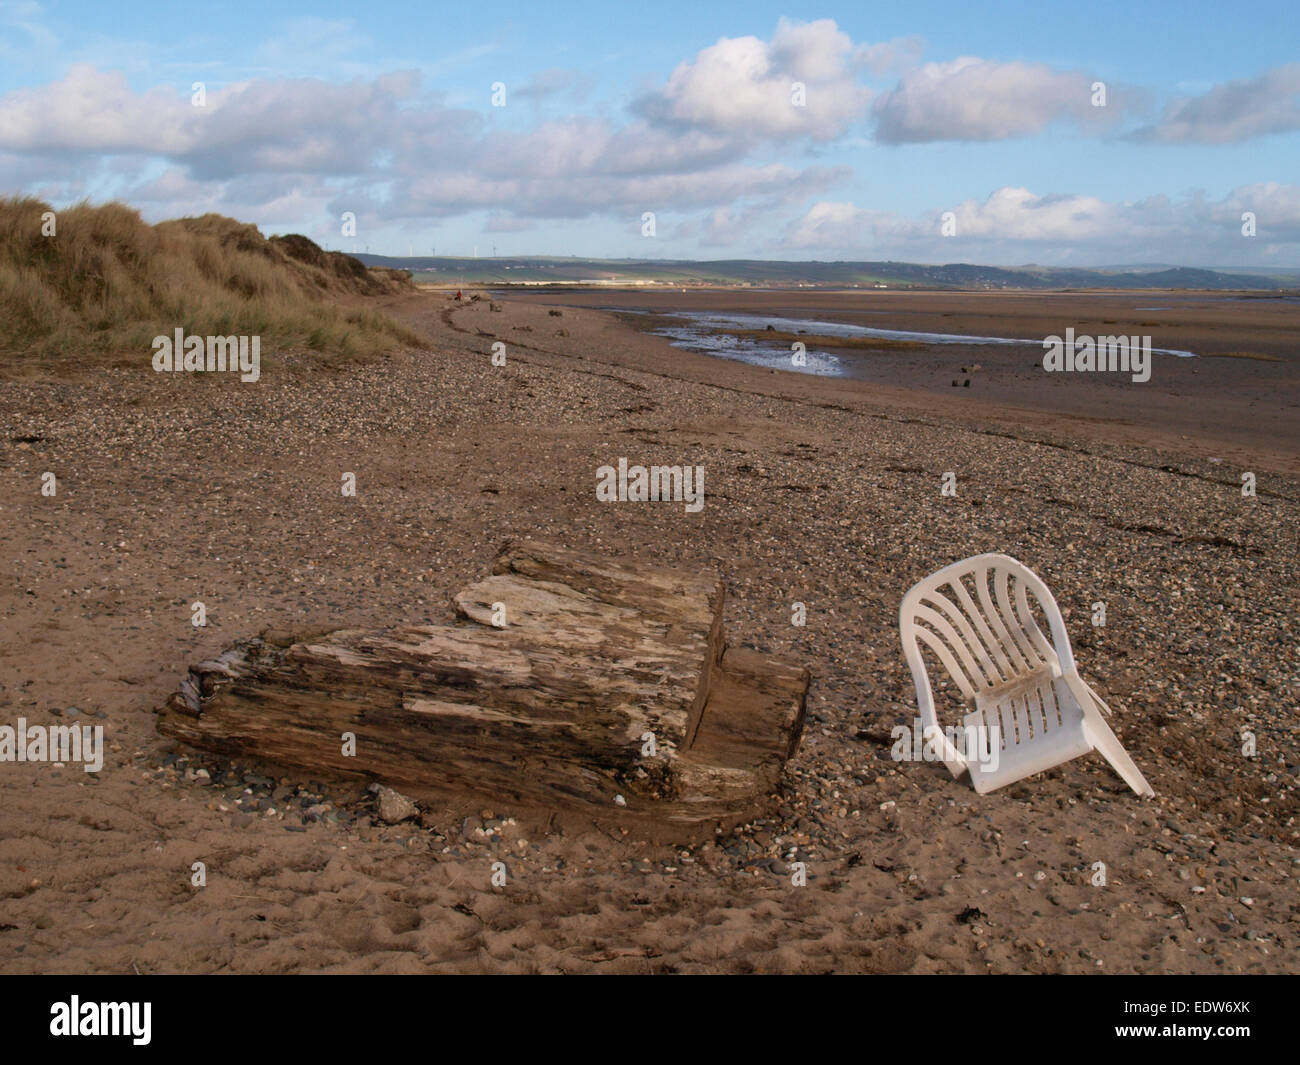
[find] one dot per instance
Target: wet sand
(1241, 410)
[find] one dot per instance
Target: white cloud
(300, 125)
(1232, 112)
(970, 99)
(93, 111)
(304, 125)
(580, 194)
(1018, 214)
(744, 87)
(1015, 225)
(698, 151)
(835, 225)
(378, 144)
(890, 56)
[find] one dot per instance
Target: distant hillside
(105, 283)
(542, 269)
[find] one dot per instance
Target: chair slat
(978, 678)
(1030, 627)
(1038, 719)
(987, 670)
(1018, 634)
(944, 652)
(1007, 721)
(1016, 661)
(1020, 708)
(988, 641)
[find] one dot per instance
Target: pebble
(395, 807)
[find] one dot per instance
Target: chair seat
(1038, 722)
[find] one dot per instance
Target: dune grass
(105, 283)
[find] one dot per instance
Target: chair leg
(1107, 744)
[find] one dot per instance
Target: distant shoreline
(1241, 408)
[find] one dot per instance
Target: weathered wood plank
(549, 709)
(749, 729)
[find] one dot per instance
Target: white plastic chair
(1026, 693)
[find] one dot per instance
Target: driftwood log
(570, 681)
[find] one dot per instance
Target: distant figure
(458, 295)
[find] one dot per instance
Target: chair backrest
(976, 617)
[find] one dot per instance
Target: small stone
(395, 807)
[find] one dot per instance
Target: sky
(1082, 134)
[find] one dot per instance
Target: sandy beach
(826, 491)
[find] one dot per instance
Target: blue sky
(936, 132)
